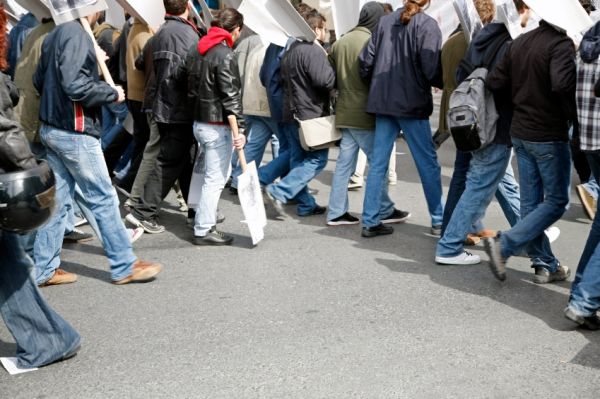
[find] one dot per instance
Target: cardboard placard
(232, 3)
(507, 13)
(469, 18)
(258, 18)
(38, 8)
(151, 12)
(567, 15)
(286, 15)
(206, 14)
(346, 14)
(115, 14)
(68, 10)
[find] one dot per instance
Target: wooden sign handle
(235, 131)
(107, 78)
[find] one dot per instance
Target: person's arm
(76, 79)
(319, 69)
(229, 87)
(499, 77)
(430, 51)
(563, 75)
(366, 58)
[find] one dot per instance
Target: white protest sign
(252, 202)
(345, 15)
(38, 8)
(206, 14)
(258, 18)
(469, 18)
(68, 10)
(507, 13)
(567, 15)
(197, 19)
(286, 15)
(232, 3)
(115, 14)
(151, 12)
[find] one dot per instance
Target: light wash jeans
(417, 133)
(545, 175)
(353, 140)
(585, 291)
(42, 336)
(259, 131)
(214, 144)
(304, 166)
(486, 169)
(77, 158)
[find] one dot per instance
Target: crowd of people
(167, 116)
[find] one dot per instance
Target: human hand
(239, 142)
(120, 94)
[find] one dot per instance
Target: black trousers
(174, 163)
(141, 135)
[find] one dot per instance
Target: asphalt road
(318, 312)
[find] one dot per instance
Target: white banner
(251, 200)
(469, 18)
(115, 14)
(151, 12)
(232, 3)
(68, 10)
(507, 13)
(37, 7)
(568, 15)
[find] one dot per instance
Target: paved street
(318, 312)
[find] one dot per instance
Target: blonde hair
(486, 10)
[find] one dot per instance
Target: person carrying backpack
(487, 164)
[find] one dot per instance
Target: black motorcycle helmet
(27, 198)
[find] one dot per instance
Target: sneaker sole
(394, 221)
(212, 243)
(344, 223)
(491, 251)
(443, 261)
(550, 279)
(371, 235)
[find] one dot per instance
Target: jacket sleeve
(180, 73)
(366, 59)
(500, 78)
(230, 88)
(77, 79)
(319, 69)
(597, 88)
(563, 75)
(430, 53)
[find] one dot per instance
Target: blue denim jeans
(585, 291)
(304, 166)
(545, 173)
(353, 140)
(259, 131)
(215, 143)
(418, 137)
(113, 116)
(280, 165)
(42, 336)
(76, 158)
(487, 167)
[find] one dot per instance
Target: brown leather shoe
(487, 233)
(142, 272)
(472, 239)
(60, 277)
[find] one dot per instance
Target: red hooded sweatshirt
(214, 37)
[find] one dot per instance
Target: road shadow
(7, 349)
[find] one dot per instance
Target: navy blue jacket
(68, 81)
(16, 40)
(270, 77)
(403, 62)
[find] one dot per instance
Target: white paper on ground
(151, 12)
(65, 11)
(252, 202)
(568, 15)
(10, 364)
(37, 7)
(115, 14)
(260, 21)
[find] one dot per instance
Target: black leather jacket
(15, 153)
(213, 83)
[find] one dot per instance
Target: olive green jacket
(353, 91)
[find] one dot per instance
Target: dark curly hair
(3, 40)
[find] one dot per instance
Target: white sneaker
(552, 233)
(135, 234)
(466, 258)
(80, 222)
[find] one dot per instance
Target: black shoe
(273, 206)
(590, 322)
(317, 210)
(233, 190)
(345, 219)
(149, 227)
(228, 183)
(397, 216)
(379, 230)
(77, 236)
(497, 263)
(214, 237)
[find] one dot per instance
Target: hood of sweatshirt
(590, 45)
(214, 37)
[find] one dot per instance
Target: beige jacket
(254, 99)
(139, 34)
